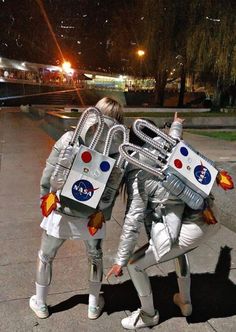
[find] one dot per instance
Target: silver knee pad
(44, 269)
(95, 269)
(94, 251)
(182, 266)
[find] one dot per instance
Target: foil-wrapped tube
(170, 181)
(67, 155)
(168, 141)
(112, 131)
(176, 187)
(62, 168)
(81, 122)
(130, 152)
(108, 197)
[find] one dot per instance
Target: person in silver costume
(54, 235)
(175, 230)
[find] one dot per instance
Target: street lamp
(66, 66)
(140, 54)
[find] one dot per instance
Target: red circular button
(178, 163)
(86, 157)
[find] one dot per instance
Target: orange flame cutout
(208, 216)
(95, 222)
(224, 180)
(49, 203)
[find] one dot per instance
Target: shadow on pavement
(213, 294)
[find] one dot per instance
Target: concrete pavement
(24, 146)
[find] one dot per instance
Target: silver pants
(48, 251)
(144, 258)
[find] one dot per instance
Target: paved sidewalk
(24, 147)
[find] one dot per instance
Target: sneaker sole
(38, 313)
(95, 316)
(131, 327)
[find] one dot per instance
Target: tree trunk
(218, 94)
(160, 84)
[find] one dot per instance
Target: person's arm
(135, 215)
(51, 162)
(176, 129)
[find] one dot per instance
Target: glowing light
(212, 19)
(66, 66)
(140, 53)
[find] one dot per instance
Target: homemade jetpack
(88, 180)
(184, 172)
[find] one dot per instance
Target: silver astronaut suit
(147, 196)
(57, 170)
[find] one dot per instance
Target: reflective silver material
(94, 250)
(95, 269)
(182, 267)
(172, 183)
(127, 151)
(108, 197)
(67, 154)
(46, 254)
(186, 194)
(168, 142)
(156, 163)
(43, 271)
(110, 181)
(82, 120)
(110, 136)
(143, 259)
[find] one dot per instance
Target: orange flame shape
(95, 222)
(224, 180)
(208, 216)
(49, 203)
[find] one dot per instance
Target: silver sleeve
(135, 214)
(176, 130)
(51, 163)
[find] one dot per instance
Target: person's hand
(178, 119)
(116, 270)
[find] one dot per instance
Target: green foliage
(211, 42)
(224, 135)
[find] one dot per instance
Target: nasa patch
(83, 190)
(202, 174)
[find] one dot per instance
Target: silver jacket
(86, 137)
(149, 201)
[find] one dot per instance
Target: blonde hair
(111, 107)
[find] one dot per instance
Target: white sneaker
(95, 312)
(139, 319)
(41, 311)
(186, 308)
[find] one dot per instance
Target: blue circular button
(105, 166)
(184, 151)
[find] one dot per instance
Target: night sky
(79, 31)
